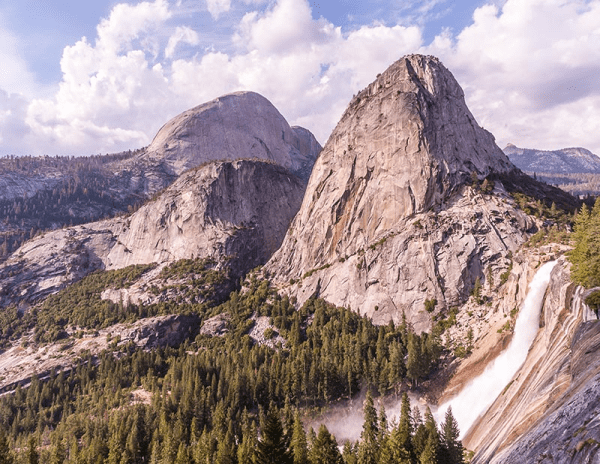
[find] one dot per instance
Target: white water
(480, 393)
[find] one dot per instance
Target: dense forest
(229, 398)
(585, 256)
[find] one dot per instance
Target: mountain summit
(233, 126)
(371, 232)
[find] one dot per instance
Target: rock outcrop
(241, 125)
(550, 412)
(235, 213)
(388, 219)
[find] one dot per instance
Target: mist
(480, 393)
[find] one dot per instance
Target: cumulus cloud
(13, 130)
(182, 35)
(528, 71)
(110, 89)
(15, 76)
(217, 7)
(114, 95)
(525, 69)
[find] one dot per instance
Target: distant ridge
(575, 160)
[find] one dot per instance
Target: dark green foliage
(506, 274)
(476, 292)
(324, 449)
(298, 442)
(32, 456)
(430, 305)
(586, 254)
(368, 449)
(210, 390)
(6, 456)
(537, 197)
(423, 353)
(451, 449)
(272, 447)
(80, 304)
(593, 301)
(88, 191)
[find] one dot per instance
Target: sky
(80, 78)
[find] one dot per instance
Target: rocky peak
(240, 125)
(401, 155)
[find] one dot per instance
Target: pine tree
(430, 452)
(58, 454)
(580, 255)
(32, 456)
(299, 444)
(414, 364)
(183, 456)
(433, 436)
(226, 450)
(350, 453)
(6, 456)
(324, 449)
(246, 452)
(272, 448)
(368, 449)
(452, 449)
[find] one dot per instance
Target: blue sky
(103, 76)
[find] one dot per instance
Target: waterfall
(474, 399)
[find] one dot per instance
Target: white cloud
(113, 96)
(525, 69)
(15, 76)
(127, 22)
(529, 71)
(182, 35)
(217, 7)
(13, 129)
(110, 93)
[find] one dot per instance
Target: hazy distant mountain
(565, 161)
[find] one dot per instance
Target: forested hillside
(230, 398)
(47, 192)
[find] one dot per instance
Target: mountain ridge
(573, 160)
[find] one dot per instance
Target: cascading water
(481, 392)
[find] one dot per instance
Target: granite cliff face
(234, 126)
(388, 219)
(235, 213)
(42, 193)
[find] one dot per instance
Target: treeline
(586, 254)
(576, 184)
(275, 437)
(207, 400)
(585, 257)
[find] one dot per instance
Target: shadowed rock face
(234, 126)
(402, 152)
(233, 212)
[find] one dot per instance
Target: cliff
(389, 218)
(235, 213)
(549, 412)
